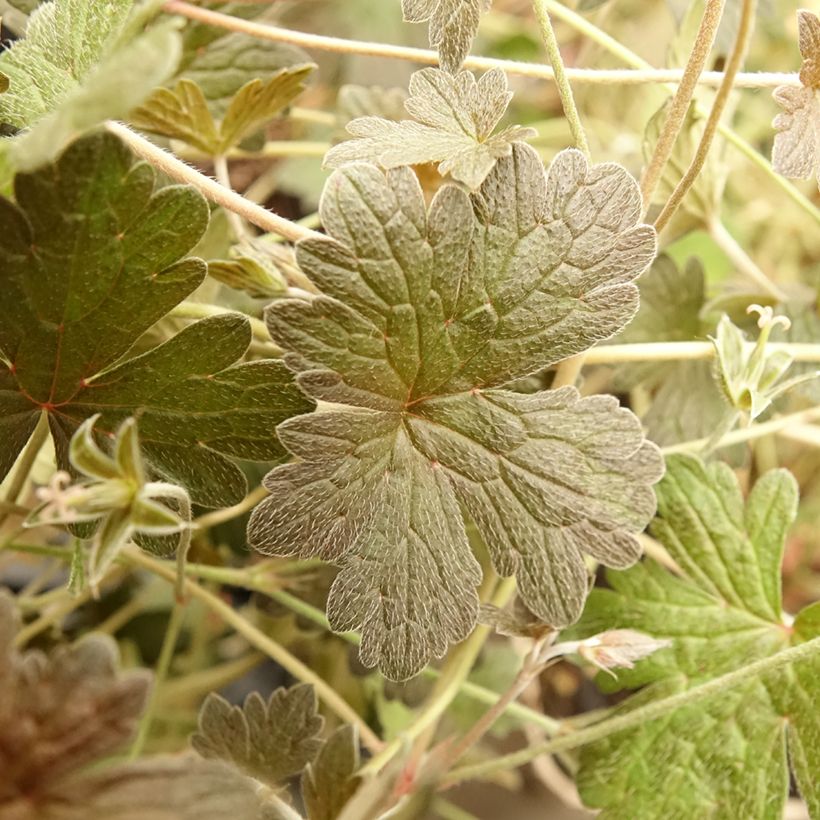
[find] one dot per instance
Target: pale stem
(679, 351)
(736, 58)
(25, 464)
(55, 614)
(161, 489)
(263, 643)
(422, 56)
(588, 29)
(200, 310)
(676, 115)
(568, 370)
(223, 177)
(741, 260)
(641, 715)
(753, 431)
(560, 76)
(230, 200)
(166, 655)
(211, 519)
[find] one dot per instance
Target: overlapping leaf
(90, 258)
(726, 757)
(182, 112)
(453, 26)
(456, 119)
(425, 315)
(796, 151)
(62, 712)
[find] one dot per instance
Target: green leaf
(257, 267)
(453, 26)
(268, 741)
(98, 214)
(456, 117)
(64, 41)
(425, 315)
(687, 403)
(183, 113)
(725, 757)
(329, 782)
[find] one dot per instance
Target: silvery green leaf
(453, 26)
(729, 755)
(796, 151)
(268, 740)
(455, 117)
(356, 101)
(425, 315)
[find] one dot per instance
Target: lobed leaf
(796, 151)
(727, 756)
(90, 258)
(456, 116)
(268, 741)
(425, 314)
(330, 782)
(452, 25)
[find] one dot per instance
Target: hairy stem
(558, 70)
(676, 116)
(641, 715)
(223, 177)
(736, 58)
(166, 655)
(263, 643)
(211, 519)
(230, 200)
(422, 56)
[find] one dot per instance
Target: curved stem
(676, 116)
(230, 200)
(263, 643)
(211, 519)
(642, 76)
(736, 58)
(641, 715)
(564, 88)
(200, 310)
(223, 177)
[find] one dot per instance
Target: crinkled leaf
(268, 741)
(796, 151)
(726, 756)
(89, 260)
(687, 403)
(356, 101)
(64, 40)
(453, 26)
(182, 112)
(456, 116)
(329, 782)
(424, 315)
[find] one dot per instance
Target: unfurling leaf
(268, 741)
(257, 267)
(456, 119)
(726, 756)
(91, 256)
(425, 314)
(796, 151)
(453, 26)
(61, 712)
(182, 112)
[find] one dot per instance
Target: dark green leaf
(329, 782)
(725, 757)
(425, 315)
(98, 214)
(268, 741)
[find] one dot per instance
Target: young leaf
(425, 315)
(329, 782)
(456, 119)
(182, 113)
(453, 26)
(256, 267)
(796, 151)
(98, 214)
(64, 40)
(268, 741)
(62, 712)
(727, 756)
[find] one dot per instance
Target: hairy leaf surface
(456, 116)
(329, 782)
(796, 151)
(91, 256)
(453, 26)
(726, 757)
(268, 741)
(425, 316)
